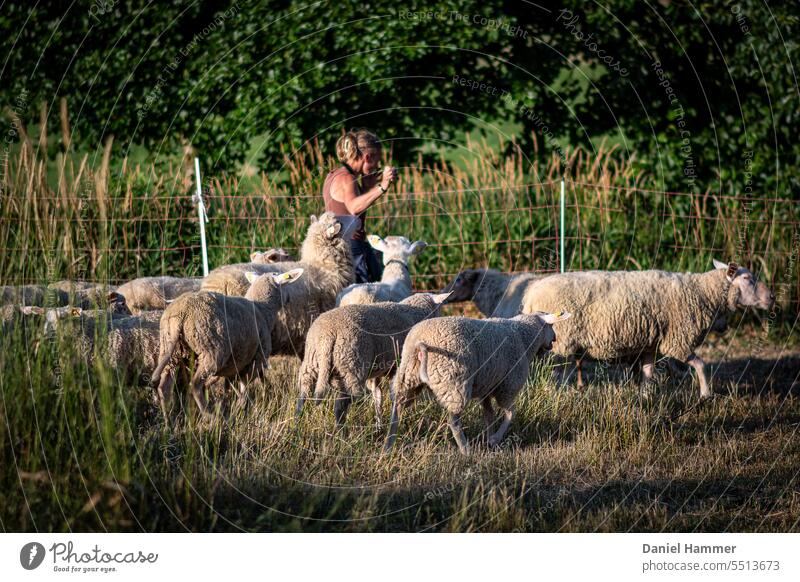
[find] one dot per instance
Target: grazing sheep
(462, 359)
(38, 295)
(279, 255)
(231, 336)
(84, 293)
(328, 262)
(495, 294)
(117, 308)
(146, 293)
(622, 314)
(357, 344)
(395, 284)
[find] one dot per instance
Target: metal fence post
(201, 213)
(561, 237)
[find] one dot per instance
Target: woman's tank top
(332, 205)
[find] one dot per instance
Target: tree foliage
(693, 88)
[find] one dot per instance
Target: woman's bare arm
(344, 190)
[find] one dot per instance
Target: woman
(359, 151)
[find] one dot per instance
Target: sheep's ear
(417, 247)
(287, 277)
(114, 297)
(32, 310)
(334, 229)
(720, 265)
(254, 256)
(552, 318)
(251, 277)
(439, 298)
(75, 311)
(376, 242)
(313, 219)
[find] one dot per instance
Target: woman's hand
(389, 176)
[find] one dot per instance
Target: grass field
(82, 452)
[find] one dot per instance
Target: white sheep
(395, 284)
(328, 262)
(231, 336)
(354, 345)
(148, 293)
(619, 314)
(460, 359)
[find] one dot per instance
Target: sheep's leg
(165, 392)
(489, 415)
(508, 414)
(241, 394)
(699, 365)
(251, 372)
(305, 381)
(201, 376)
(579, 373)
(374, 386)
(648, 367)
(458, 433)
(340, 407)
(397, 409)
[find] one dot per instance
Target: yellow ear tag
(284, 277)
(558, 313)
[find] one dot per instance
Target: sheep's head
(744, 290)
(396, 248)
(117, 304)
(545, 321)
(431, 301)
(266, 288)
(278, 255)
(464, 286)
(331, 226)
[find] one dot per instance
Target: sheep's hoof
(707, 397)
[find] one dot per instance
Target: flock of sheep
(352, 336)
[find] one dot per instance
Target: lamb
(231, 336)
(279, 255)
(357, 344)
(395, 284)
(146, 293)
(622, 314)
(325, 256)
(495, 294)
(461, 359)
